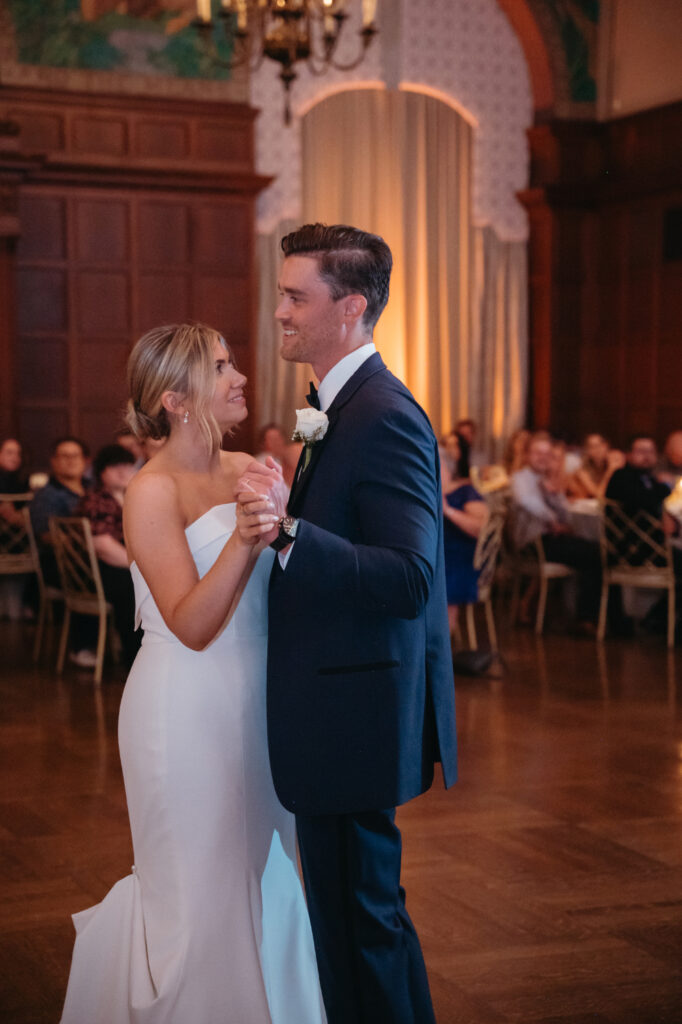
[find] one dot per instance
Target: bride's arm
(193, 609)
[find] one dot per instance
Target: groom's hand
(266, 479)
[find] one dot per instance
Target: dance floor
(546, 886)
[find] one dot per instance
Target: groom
(360, 687)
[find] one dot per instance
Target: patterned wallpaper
(464, 50)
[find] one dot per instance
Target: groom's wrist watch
(288, 526)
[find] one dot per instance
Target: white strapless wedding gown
(211, 926)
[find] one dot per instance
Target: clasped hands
(261, 502)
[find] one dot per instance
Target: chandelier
(286, 31)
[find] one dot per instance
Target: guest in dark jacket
(634, 486)
(59, 496)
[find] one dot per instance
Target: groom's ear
(355, 306)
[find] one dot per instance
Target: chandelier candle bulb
(204, 10)
(369, 8)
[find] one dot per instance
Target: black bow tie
(312, 398)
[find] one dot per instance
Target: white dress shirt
(341, 373)
(329, 387)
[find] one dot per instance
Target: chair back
(18, 551)
(634, 545)
(77, 562)
(488, 548)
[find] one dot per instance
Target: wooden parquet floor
(546, 886)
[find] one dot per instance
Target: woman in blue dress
(465, 514)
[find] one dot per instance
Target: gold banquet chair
(634, 553)
(18, 553)
(81, 582)
(486, 555)
(531, 561)
(19, 556)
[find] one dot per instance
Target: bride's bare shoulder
(151, 487)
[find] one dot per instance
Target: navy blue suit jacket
(360, 687)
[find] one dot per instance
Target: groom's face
(312, 322)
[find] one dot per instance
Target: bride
(211, 926)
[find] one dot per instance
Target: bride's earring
(185, 418)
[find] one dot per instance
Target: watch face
(288, 527)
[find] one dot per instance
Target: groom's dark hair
(350, 261)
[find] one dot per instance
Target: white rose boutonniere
(311, 426)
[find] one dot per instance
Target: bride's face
(229, 404)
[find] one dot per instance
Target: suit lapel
(301, 480)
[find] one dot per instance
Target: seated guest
(634, 485)
(12, 481)
(465, 514)
(467, 429)
(598, 463)
(540, 511)
(516, 451)
(635, 488)
(556, 480)
(59, 497)
(114, 468)
(273, 441)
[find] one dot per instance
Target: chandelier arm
(310, 64)
(367, 34)
(254, 37)
(347, 67)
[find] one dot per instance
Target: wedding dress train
(211, 926)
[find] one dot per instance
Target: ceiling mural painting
(150, 37)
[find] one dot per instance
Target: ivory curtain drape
(399, 163)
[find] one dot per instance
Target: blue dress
(461, 579)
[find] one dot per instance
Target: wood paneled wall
(128, 213)
(606, 275)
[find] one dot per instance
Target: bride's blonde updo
(179, 358)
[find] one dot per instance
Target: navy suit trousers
(369, 958)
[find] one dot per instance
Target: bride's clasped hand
(261, 501)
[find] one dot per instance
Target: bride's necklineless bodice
(206, 536)
(213, 509)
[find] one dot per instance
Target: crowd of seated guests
(71, 491)
(555, 495)
(545, 480)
